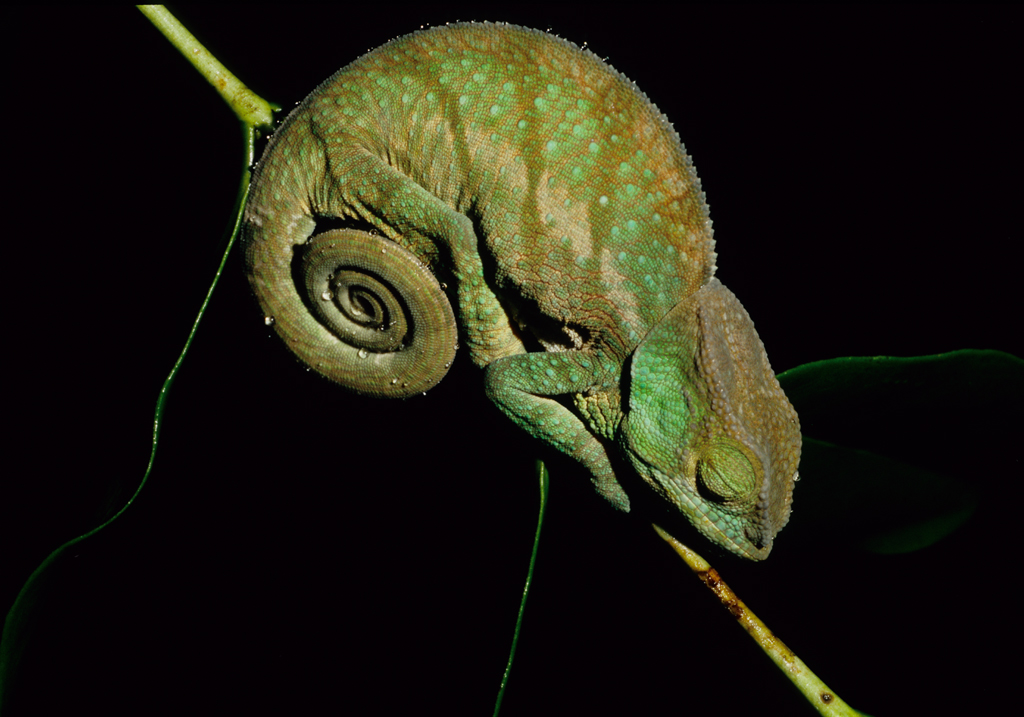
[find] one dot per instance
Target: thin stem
(17, 625)
(246, 104)
(542, 476)
(817, 692)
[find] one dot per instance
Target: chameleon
(519, 177)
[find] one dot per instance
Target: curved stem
(246, 104)
(542, 476)
(18, 623)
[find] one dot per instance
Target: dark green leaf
(897, 450)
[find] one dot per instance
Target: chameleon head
(708, 425)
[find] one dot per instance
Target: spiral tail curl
(358, 309)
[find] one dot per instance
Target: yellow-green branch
(817, 692)
(250, 107)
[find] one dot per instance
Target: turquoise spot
(657, 218)
(631, 224)
(549, 218)
(602, 200)
(622, 256)
(551, 146)
(495, 109)
(521, 124)
(593, 147)
(539, 103)
(463, 99)
(623, 166)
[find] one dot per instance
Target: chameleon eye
(725, 473)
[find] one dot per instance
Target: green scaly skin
(563, 215)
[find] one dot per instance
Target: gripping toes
(522, 386)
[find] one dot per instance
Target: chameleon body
(553, 202)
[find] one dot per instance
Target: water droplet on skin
(394, 382)
(268, 320)
(327, 295)
(363, 353)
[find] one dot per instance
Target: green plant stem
(18, 623)
(542, 476)
(250, 107)
(817, 692)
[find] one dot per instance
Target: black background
(298, 548)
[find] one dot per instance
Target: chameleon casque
(556, 205)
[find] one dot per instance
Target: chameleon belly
(565, 220)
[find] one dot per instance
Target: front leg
(520, 386)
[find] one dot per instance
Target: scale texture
(522, 179)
